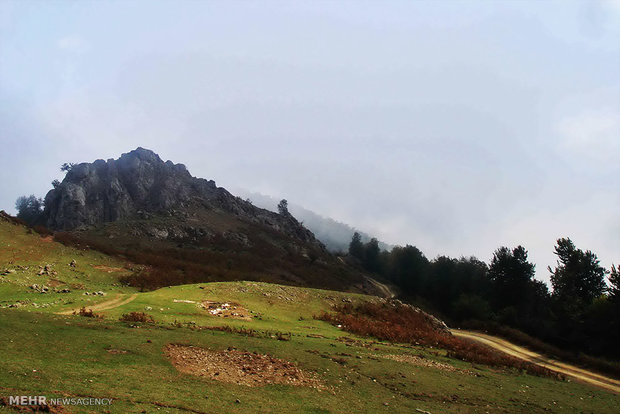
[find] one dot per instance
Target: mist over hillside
(335, 235)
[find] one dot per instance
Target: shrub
(404, 324)
(42, 230)
(137, 317)
(88, 313)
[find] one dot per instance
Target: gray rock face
(139, 184)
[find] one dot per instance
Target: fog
(454, 126)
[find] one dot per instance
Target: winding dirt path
(119, 300)
(384, 290)
(517, 351)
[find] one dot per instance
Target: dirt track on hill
(383, 289)
(517, 351)
(119, 300)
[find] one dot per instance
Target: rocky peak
(139, 183)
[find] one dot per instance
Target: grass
(45, 353)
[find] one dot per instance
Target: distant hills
(335, 235)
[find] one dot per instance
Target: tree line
(580, 313)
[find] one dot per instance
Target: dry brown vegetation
(403, 324)
(88, 313)
(136, 317)
(267, 259)
(280, 336)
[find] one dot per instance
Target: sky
(455, 126)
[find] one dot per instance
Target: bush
(404, 324)
(88, 313)
(137, 317)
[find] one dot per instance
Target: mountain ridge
(335, 235)
(138, 184)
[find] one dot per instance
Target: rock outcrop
(140, 185)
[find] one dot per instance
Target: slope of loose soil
(239, 367)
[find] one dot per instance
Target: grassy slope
(69, 353)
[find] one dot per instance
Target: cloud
(594, 134)
(73, 44)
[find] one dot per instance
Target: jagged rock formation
(140, 185)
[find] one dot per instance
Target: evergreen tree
(511, 275)
(371, 255)
(614, 282)
(578, 277)
(406, 268)
(356, 247)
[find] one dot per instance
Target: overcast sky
(456, 126)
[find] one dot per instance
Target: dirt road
(517, 351)
(119, 300)
(382, 289)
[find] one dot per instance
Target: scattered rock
(99, 293)
(226, 310)
(40, 289)
(116, 351)
(420, 360)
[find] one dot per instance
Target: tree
(613, 329)
(283, 207)
(356, 247)
(614, 282)
(29, 208)
(67, 166)
(578, 278)
(406, 268)
(55, 183)
(511, 276)
(371, 255)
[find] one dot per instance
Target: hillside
(186, 229)
(241, 347)
(335, 235)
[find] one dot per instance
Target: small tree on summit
(67, 166)
(283, 207)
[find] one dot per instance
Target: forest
(580, 314)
